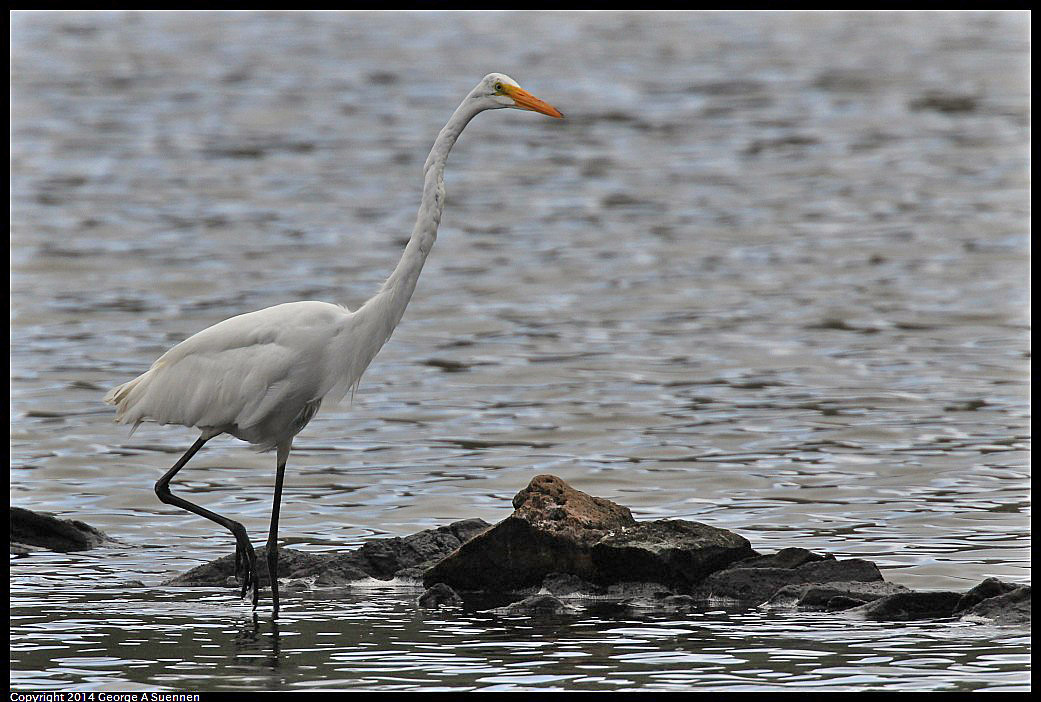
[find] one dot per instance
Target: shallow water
(770, 274)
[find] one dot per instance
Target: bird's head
(496, 91)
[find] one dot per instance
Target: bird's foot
(246, 568)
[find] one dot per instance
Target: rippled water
(770, 274)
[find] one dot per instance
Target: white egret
(262, 376)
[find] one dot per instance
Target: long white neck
(381, 314)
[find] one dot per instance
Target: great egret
(262, 376)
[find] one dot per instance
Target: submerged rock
(438, 596)
(907, 606)
(750, 582)
(1008, 609)
(31, 530)
(991, 587)
(537, 604)
(833, 596)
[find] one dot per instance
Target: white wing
(250, 369)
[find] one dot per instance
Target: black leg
(244, 553)
(272, 538)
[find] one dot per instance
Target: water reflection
(349, 640)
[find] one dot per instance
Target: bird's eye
(498, 87)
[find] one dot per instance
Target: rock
(755, 585)
(568, 585)
(552, 529)
(29, 529)
(537, 604)
(408, 557)
(557, 529)
(791, 557)
(562, 545)
(438, 596)
(991, 587)
(1009, 609)
(678, 602)
(383, 559)
(551, 504)
(669, 551)
(908, 606)
(221, 572)
(833, 596)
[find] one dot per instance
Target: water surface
(771, 274)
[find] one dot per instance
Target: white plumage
(263, 375)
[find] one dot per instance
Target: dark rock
(792, 557)
(552, 529)
(566, 584)
(537, 604)
(669, 551)
(557, 529)
(1009, 609)
(339, 575)
(678, 602)
(991, 587)
(221, 572)
(438, 596)
(385, 559)
(30, 529)
(382, 559)
(756, 585)
(907, 606)
(510, 556)
(833, 596)
(841, 602)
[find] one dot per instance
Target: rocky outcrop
(557, 529)
(382, 559)
(561, 547)
(757, 580)
(31, 530)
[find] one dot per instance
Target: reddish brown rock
(552, 530)
(558, 529)
(550, 504)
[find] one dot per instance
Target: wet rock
(747, 583)
(221, 572)
(669, 551)
(678, 602)
(1009, 609)
(537, 604)
(908, 606)
(991, 587)
(568, 585)
(552, 529)
(833, 596)
(561, 547)
(439, 595)
(382, 559)
(408, 557)
(34, 529)
(791, 557)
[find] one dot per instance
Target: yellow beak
(526, 101)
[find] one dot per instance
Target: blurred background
(771, 273)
